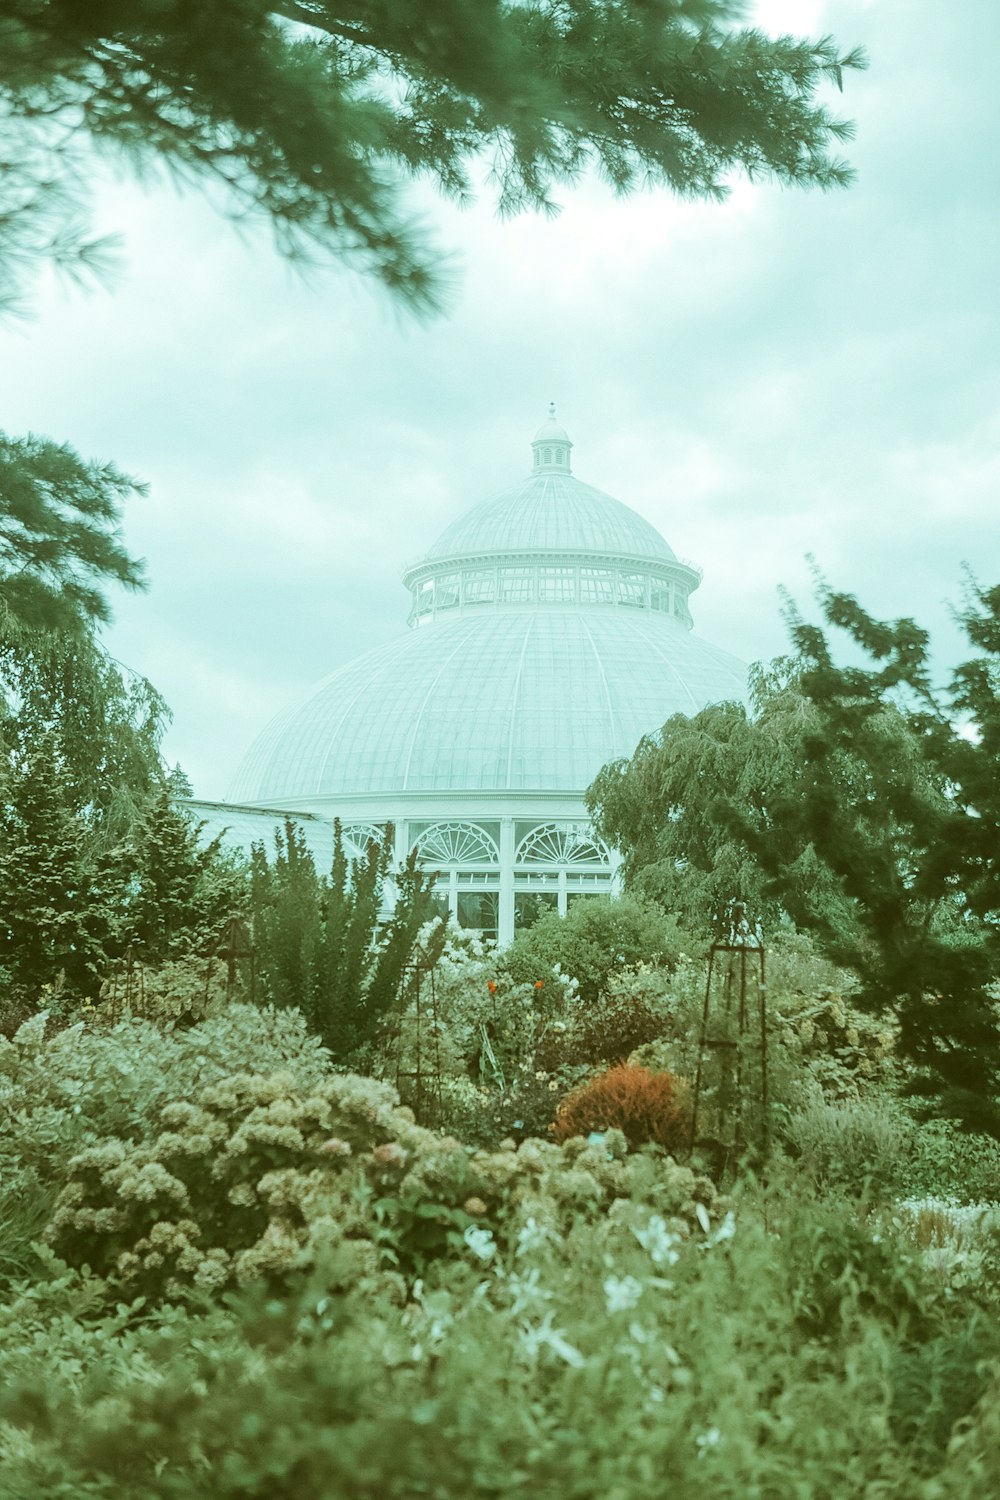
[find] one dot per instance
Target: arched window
(571, 844)
(360, 835)
(457, 844)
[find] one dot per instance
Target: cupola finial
(551, 446)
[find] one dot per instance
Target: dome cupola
(551, 446)
(551, 540)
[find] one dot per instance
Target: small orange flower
(539, 984)
(491, 985)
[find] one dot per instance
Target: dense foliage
(595, 938)
(96, 857)
(864, 803)
(231, 1269)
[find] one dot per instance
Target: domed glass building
(550, 629)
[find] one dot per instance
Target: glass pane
(478, 587)
(530, 905)
(479, 911)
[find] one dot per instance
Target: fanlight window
(457, 844)
(552, 845)
(362, 834)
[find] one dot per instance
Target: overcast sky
(789, 373)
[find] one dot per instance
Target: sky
(790, 374)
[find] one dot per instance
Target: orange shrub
(645, 1106)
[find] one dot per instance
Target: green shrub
(936, 1383)
(225, 1177)
(62, 1089)
(583, 1363)
(858, 1146)
(946, 1161)
(597, 938)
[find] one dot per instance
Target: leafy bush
(183, 990)
(644, 1106)
(323, 944)
(60, 1090)
(595, 939)
(180, 1171)
(858, 1146)
(936, 1383)
(948, 1162)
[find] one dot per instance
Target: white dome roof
(525, 699)
(552, 512)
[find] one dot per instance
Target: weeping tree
(863, 801)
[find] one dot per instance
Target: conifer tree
(311, 111)
(913, 836)
(286, 898)
(864, 802)
(50, 918)
(170, 892)
(59, 540)
(318, 940)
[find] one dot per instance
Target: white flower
(545, 1336)
(706, 1440)
(480, 1242)
(526, 1291)
(701, 1214)
(621, 1293)
(726, 1229)
(656, 1239)
(532, 1236)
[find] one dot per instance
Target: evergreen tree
(96, 853)
(170, 892)
(915, 844)
(318, 940)
(864, 803)
(50, 918)
(59, 541)
(286, 900)
(311, 110)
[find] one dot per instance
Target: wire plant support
(729, 1107)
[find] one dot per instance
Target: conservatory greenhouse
(549, 630)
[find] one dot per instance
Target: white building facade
(550, 630)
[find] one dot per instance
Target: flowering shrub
(623, 1017)
(60, 1090)
(238, 1182)
(645, 1106)
(826, 1040)
(595, 939)
(247, 1181)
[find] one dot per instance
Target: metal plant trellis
(730, 1084)
(424, 1077)
(126, 991)
(233, 946)
(127, 988)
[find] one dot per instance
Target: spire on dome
(551, 446)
